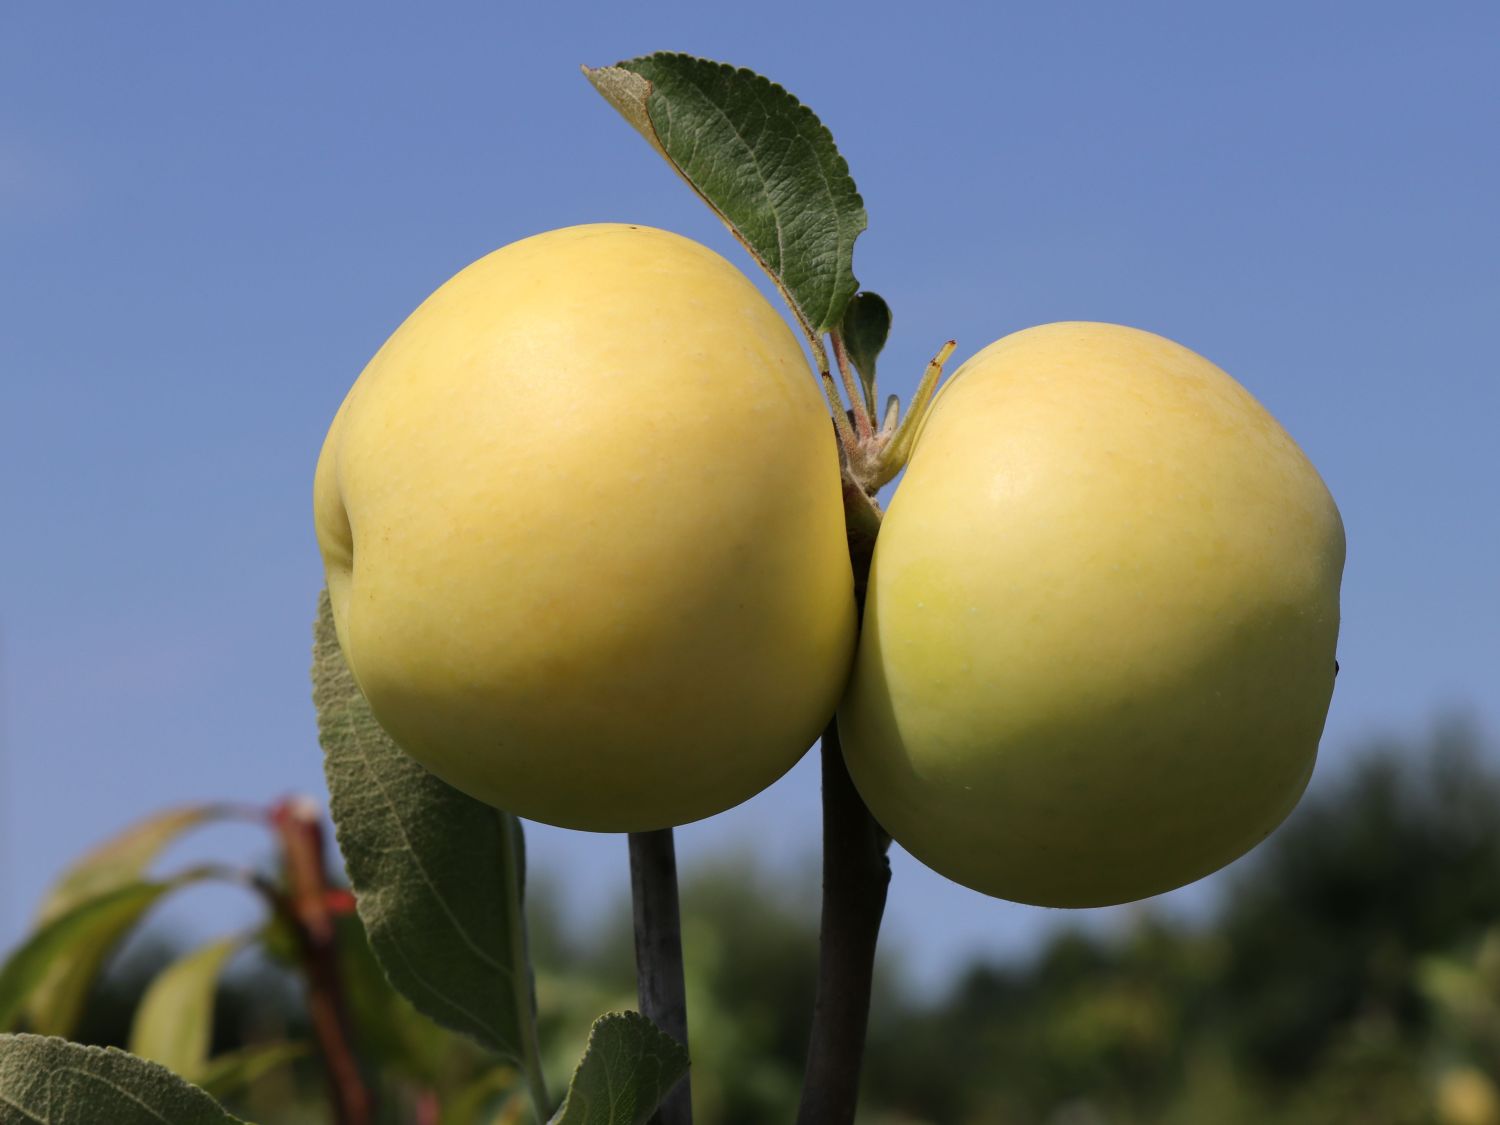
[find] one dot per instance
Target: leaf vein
(421, 868)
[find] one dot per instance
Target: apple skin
(583, 532)
(1098, 646)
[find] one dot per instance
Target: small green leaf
(437, 875)
(47, 1081)
(232, 1071)
(762, 160)
(174, 1021)
(866, 324)
(628, 1066)
(48, 978)
(124, 858)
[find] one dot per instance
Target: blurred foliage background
(1349, 974)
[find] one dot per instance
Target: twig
(658, 953)
(856, 874)
(307, 903)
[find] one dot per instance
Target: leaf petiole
(848, 440)
(860, 405)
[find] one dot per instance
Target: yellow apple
(1098, 647)
(583, 534)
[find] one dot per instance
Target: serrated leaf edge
(26, 1040)
(632, 100)
(602, 1024)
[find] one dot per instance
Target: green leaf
(232, 1071)
(174, 1021)
(628, 1067)
(437, 875)
(762, 160)
(866, 324)
(124, 858)
(48, 978)
(390, 1034)
(46, 1081)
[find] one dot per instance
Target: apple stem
(856, 875)
(862, 516)
(658, 954)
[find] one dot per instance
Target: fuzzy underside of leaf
(48, 1081)
(437, 875)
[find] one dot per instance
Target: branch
(658, 954)
(856, 875)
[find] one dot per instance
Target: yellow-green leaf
(47, 979)
(174, 1021)
(234, 1070)
(123, 858)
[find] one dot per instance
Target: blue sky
(212, 215)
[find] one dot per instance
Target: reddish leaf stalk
(864, 426)
(311, 909)
(428, 1109)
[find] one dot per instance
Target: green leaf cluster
(91, 908)
(46, 982)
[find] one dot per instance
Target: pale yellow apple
(583, 534)
(1098, 648)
